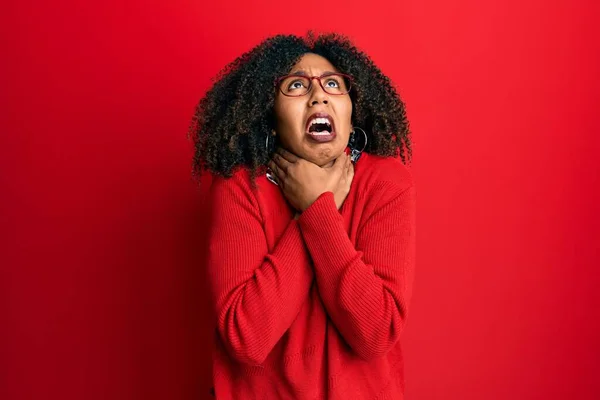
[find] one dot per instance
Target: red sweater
(312, 308)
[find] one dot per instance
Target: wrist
(309, 201)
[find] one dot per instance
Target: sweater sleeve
(365, 289)
(257, 293)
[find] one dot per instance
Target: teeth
(320, 121)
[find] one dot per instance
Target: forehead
(313, 64)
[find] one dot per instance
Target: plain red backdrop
(101, 288)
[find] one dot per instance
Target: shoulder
(376, 173)
(240, 178)
(237, 187)
(243, 187)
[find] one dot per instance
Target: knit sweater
(312, 308)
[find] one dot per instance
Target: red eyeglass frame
(310, 79)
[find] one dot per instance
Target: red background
(101, 287)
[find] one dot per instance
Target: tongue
(320, 133)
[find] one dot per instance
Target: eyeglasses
(299, 85)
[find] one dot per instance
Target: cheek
(345, 111)
(345, 114)
(286, 115)
(349, 109)
(279, 110)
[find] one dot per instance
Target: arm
(366, 290)
(257, 294)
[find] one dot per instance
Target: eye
(297, 84)
(332, 83)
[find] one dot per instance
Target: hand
(302, 181)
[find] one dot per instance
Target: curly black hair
(233, 119)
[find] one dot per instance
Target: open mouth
(320, 127)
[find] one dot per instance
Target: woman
(310, 249)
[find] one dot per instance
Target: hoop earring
(269, 175)
(270, 147)
(355, 153)
(270, 144)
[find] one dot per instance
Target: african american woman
(311, 241)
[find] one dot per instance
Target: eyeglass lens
(300, 85)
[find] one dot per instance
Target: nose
(317, 94)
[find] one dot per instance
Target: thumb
(350, 172)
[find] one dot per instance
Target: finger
(273, 178)
(277, 171)
(281, 162)
(350, 173)
(340, 161)
(289, 157)
(344, 168)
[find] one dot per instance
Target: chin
(323, 154)
(324, 159)
(322, 163)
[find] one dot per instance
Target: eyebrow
(303, 73)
